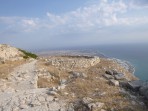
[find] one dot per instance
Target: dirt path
(20, 92)
(24, 77)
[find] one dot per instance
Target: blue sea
(136, 54)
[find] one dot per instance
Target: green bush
(28, 54)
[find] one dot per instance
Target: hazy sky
(33, 24)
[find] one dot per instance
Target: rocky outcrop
(112, 74)
(139, 86)
(9, 53)
(144, 90)
(73, 62)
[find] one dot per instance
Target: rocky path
(20, 92)
(24, 77)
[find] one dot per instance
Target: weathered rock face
(73, 62)
(144, 90)
(139, 86)
(9, 53)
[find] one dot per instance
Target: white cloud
(29, 23)
(102, 21)
(101, 14)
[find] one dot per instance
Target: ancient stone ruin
(73, 62)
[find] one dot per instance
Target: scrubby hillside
(9, 53)
(95, 87)
(65, 83)
(10, 58)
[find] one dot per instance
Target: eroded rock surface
(9, 53)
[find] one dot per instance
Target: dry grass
(94, 86)
(5, 69)
(55, 72)
(46, 83)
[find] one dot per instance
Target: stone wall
(73, 62)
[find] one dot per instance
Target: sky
(43, 24)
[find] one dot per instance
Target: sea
(135, 54)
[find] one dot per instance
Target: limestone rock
(135, 85)
(9, 53)
(52, 93)
(35, 103)
(87, 100)
(111, 72)
(119, 76)
(108, 76)
(78, 74)
(114, 82)
(95, 105)
(63, 81)
(144, 91)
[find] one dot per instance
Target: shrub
(28, 54)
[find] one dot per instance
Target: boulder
(78, 74)
(110, 72)
(135, 85)
(84, 75)
(52, 93)
(108, 76)
(119, 76)
(91, 104)
(144, 90)
(114, 82)
(96, 105)
(87, 100)
(63, 81)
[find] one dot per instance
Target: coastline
(126, 64)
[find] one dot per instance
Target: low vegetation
(28, 54)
